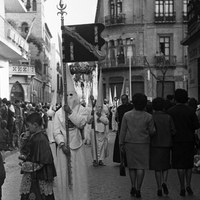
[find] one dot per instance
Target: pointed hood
(110, 98)
(115, 91)
(73, 99)
(100, 91)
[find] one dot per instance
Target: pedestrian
(185, 121)
(38, 168)
(161, 143)
(121, 110)
(136, 128)
(77, 118)
(4, 136)
(10, 124)
(2, 174)
(4, 109)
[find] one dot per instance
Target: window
(116, 12)
(34, 5)
(120, 53)
(164, 10)
(119, 7)
(185, 3)
(164, 43)
(24, 27)
(112, 8)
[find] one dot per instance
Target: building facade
(143, 50)
(13, 46)
(192, 40)
(31, 80)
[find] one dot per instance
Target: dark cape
(120, 113)
(40, 153)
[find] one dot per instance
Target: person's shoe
(182, 192)
(95, 164)
(133, 191)
(189, 190)
(101, 163)
(138, 194)
(165, 189)
(159, 193)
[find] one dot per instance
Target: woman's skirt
(183, 155)
(137, 155)
(160, 158)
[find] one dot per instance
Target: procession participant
(77, 118)
(186, 122)
(50, 128)
(99, 138)
(113, 111)
(125, 107)
(38, 168)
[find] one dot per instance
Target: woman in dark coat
(161, 144)
(185, 121)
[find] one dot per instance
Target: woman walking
(185, 121)
(134, 139)
(161, 144)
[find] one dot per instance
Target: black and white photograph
(99, 99)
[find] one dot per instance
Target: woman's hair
(158, 104)
(181, 96)
(193, 103)
(34, 118)
(139, 101)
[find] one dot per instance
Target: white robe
(101, 138)
(79, 189)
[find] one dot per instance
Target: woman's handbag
(122, 168)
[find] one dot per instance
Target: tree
(162, 64)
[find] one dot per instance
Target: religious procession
(51, 140)
(107, 111)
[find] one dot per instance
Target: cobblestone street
(104, 182)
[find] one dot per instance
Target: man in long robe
(101, 143)
(77, 118)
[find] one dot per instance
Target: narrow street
(104, 182)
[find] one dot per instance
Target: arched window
(24, 27)
(34, 5)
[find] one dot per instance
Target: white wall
(4, 79)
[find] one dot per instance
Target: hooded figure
(77, 118)
(100, 146)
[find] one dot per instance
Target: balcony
(165, 61)
(165, 18)
(12, 44)
(115, 20)
(122, 62)
(21, 70)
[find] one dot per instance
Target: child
(38, 169)
(2, 174)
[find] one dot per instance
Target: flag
(30, 29)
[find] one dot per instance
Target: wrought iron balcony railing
(165, 18)
(113, 20)
(165, 61)
(22, 70)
